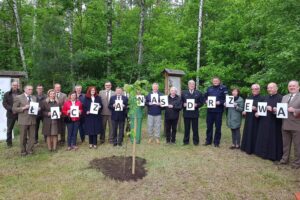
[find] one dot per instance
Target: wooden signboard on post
(173, 79)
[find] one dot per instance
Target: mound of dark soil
(120, 168)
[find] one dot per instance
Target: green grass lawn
(173, 172)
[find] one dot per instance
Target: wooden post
(134, 146)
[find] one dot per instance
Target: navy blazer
(88, 101)
(118, 115)
(199, 100)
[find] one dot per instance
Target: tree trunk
(19, 36)
(70, 31)
(199, 41)
(141, 34)
(109, 35)
(35, 2)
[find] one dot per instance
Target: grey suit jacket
(23, 117)
(62, 97)
(105, 102)
(292, 123)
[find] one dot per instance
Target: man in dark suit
(61, 97)
(191, 115)
(291, 125)
(26, 121)
(40, 96)
(118, 115)
(12, 117)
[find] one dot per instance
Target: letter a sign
(282, 110)
(55, 113)
(118, 105)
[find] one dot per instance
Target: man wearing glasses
(105, 95)
(26, 121)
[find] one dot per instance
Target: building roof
(174, 72)
(13, 74)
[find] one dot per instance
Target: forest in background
(90, 41)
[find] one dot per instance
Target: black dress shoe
(115, 145)
(206, 144)
(184, 144)
(196, 144)
(217, 145)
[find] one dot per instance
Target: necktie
(291, 96)
(57, 95)
(29, 99)
(107, 95)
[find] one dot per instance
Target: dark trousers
(81, 131)
(187, 127)
(118, 138)
(171, 128)
(93, 139)
(236, 136)
(10, 126)
(72, 133)
(211, 119)
(37, 127)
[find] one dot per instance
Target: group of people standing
(266, 136)
(270, 137)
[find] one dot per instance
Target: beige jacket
(105, 101)
(23, 117)
(292, 123)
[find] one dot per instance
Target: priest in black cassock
(269, 137)
(251, 122)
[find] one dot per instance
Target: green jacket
(234, 115)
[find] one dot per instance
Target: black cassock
(250, 127)
(269, 137)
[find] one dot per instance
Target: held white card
(154, 98)
(248, 105)
(229, 101)
(164, 101)
(33, 108)
(282, 110)
(262, 108)
(55, 113)
(211, 102)
(118, 105)
(190, 104)
(74, 111)
(140, 100)
(94, 109)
